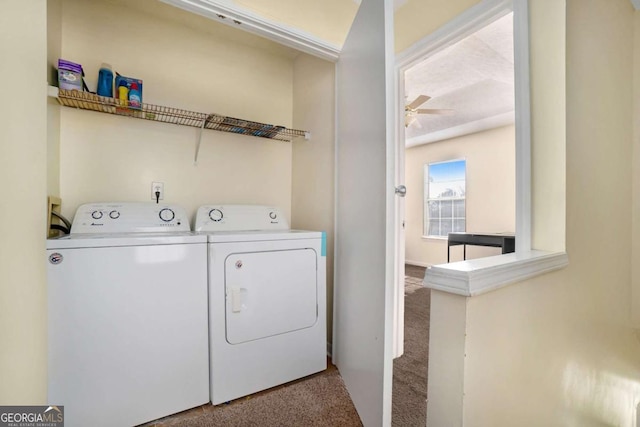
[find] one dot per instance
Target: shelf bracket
(199, 138)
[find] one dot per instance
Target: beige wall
(417, 18)
(548, 123)
(447, 330)
(560, 349)
(635, 182)
(54, 51)
(23, 168)
(490, 192)
(185, 61)
(329, 20)
(312, 204)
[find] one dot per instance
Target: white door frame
(465, 24)
(446, 379)
(462, 26)
(399, 202)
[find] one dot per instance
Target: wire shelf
(158, 113)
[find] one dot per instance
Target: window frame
(426, 199)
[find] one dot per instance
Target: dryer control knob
(96, 214)
(273, 215)
(167, 215)
(216, 215)
(114, 214)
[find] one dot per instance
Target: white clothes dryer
(267, 299)
(128, 317)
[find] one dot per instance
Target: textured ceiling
(473, 77)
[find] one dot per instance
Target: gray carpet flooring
(410, 369)
(322, 400)
(316, 401)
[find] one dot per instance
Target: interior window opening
(460, 149)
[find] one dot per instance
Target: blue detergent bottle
(105, 81)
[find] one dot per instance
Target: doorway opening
(460, 151)
(458, 164)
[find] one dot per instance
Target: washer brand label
(31, 416)
(55, 258)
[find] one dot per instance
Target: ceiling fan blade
(434, 111)
(418, 101)
(409, 120)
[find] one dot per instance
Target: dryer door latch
(236, 299)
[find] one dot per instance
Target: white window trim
(477, 276)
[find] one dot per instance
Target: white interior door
(365, 213)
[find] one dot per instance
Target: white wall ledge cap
(478, 276)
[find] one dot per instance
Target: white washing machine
(267, 299)
(128, 317)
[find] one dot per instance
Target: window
(444, 198)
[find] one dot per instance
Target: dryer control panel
(239, 218)
(129, 217)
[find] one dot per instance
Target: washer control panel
(129, 217)
(239, 218)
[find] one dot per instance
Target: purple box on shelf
(69, 75)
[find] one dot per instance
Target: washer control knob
(114, 214)
(167, 215)
(273, 215)
(216, 215)
(96, 214)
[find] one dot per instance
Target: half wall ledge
(481, 275)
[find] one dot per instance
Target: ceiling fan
(411, 110)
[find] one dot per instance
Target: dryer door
(270, 293)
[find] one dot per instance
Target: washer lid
(239, 218)
(77, 241)
(129, 217)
